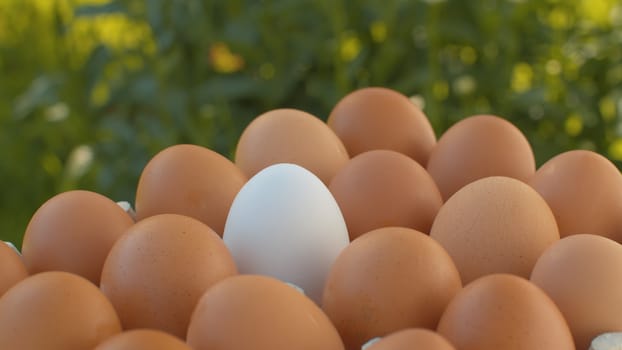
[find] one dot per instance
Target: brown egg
(73, 231)
(385, 188)
(290, 136)
(189, 180)
(478, 147)
(12, 268)
(55, 311)
(496, 224)
(581, 273)
(143, 339)
(156, 272)
(506, 312)
(379, 118)
(412, 339)
(259, 313)
(584, 190)
(386, 280)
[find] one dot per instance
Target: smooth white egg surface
(286, 224)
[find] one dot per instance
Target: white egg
(286, 224)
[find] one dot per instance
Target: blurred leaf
(42, 92)
(144, 89)
(158, 84)
(98, 10)
(95, 65)
(227, 87)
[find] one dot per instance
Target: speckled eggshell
(73, 231)
(386, 280)
(581, 273)
(12, 268)
(384, 188)
(584, 190)
(502, 311)
(380, 118)
(158, 270)
(55, 310)
(143, 339)
(290, 136)
(412, 339)
(494, 225)
(189, 180)
(259, 313)
(478, 147)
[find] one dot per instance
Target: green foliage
(90, 90)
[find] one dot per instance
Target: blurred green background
(90, 90)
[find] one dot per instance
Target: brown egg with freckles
(290, 136)
(12, 268)
(189, 180)
(412, 339)
(584, 190)
(581, 273)
(55, 310)
(495, 225)
(158, 270)
(73, 231)
(380, 118)
(384, 188)
(502, 311)
(259, 313)
(387, 280)
(143, 339)
(477, 147)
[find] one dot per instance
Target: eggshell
(379, 118)
(143, 339)
(386, 280)
(412, 339)
(286, 224)
(584, 190)
(189, 180)
(55, 311)
(506, 312)
(478, 147)
(385, 188)
(157, 271)
(581, 273)
(290, 136)
(73, 231)
(496, 224)
(12, 268)
(259, 313)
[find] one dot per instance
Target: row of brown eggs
(460, 236)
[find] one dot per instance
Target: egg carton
(127, 207)
(370, 343)
(13, 247)
(607, 341)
